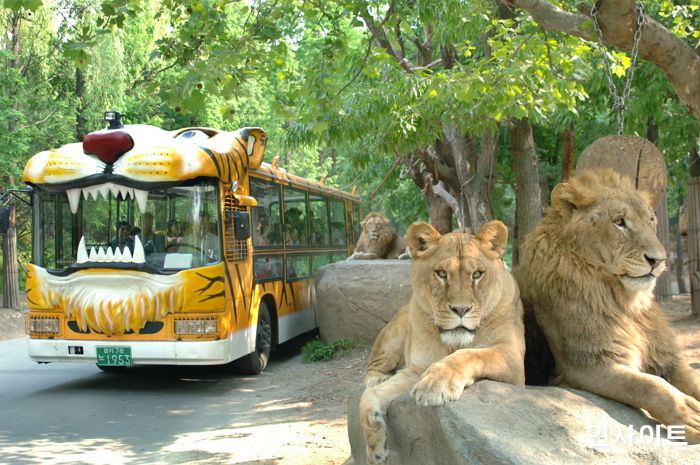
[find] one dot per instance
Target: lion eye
(477, 274)
(620, 223)
(441, 274)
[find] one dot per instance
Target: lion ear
(495, 235)
(569, 196)
(422, 239)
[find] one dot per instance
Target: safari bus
(175, 248)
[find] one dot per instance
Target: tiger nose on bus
(109, 144)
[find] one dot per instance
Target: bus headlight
(197, 327)
(44, 325)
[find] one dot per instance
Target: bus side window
(318, 220)
(338, 236)
(267, 224)
(355, 225)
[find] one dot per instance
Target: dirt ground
(326, 386)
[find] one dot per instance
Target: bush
(318, 350)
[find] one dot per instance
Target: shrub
(318, 350)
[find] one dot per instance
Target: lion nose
(460, 311)
(654, 262)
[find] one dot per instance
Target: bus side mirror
(241, 225)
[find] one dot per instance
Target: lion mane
(463, 323)
(377, 239)
(586, 278)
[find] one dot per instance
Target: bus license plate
(114, 356)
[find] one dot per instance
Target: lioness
(377, 240)
(464, 322)
(588, 273)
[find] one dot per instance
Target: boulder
(355, 298)
(497, 423)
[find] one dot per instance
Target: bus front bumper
(195, 352)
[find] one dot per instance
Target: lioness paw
(439, 385)
(375, 439)
(373, 378)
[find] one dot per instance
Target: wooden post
(663, 284)
(694, 242)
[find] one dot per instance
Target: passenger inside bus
(263, 229)
(295, 226)
(152, 242)
(122, 238)
(172, 237)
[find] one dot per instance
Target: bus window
(338, 236)
(356, 223)
(267, 226)
(297, 267)
(110, 225)
(268, 268)
(296, 228)
(317, 261)
(318, 220)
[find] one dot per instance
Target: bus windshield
(177, 228)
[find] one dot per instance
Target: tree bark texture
(694, 243)
(675, 57)
(528, 194)
(9, 264)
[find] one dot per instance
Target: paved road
(74, 413)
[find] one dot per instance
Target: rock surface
(355, 298)
(496, 423)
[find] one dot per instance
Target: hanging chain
(620, 99)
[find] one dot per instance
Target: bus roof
(280, 174)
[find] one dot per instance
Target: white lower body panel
(296, 323)
(218, 352)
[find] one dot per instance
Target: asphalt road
(73, 413)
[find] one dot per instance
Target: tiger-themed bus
(175, 248)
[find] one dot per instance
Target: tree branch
(676, 58)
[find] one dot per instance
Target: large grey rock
(497, 423)
(355, 298)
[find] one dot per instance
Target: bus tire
(255, 362)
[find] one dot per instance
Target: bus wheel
(255, 362)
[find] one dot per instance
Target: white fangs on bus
(104, 190)
(109, 255)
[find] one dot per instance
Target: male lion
(377, 240)
(588, 273)
(464, 322)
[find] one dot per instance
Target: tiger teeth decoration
(104, 190)
(109, 255)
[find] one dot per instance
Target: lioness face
(614, 228)
(453, 274)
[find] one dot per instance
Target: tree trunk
(694, 233)
(440, 213)
(9, 265)
(680, 258)
(568, 157)
(528, 194)
(80, 120)
(663, 284)
(474, 174)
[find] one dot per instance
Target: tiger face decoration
(115, 285)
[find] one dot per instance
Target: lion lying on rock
(587, 274)
(463, 323)
(377, 240)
